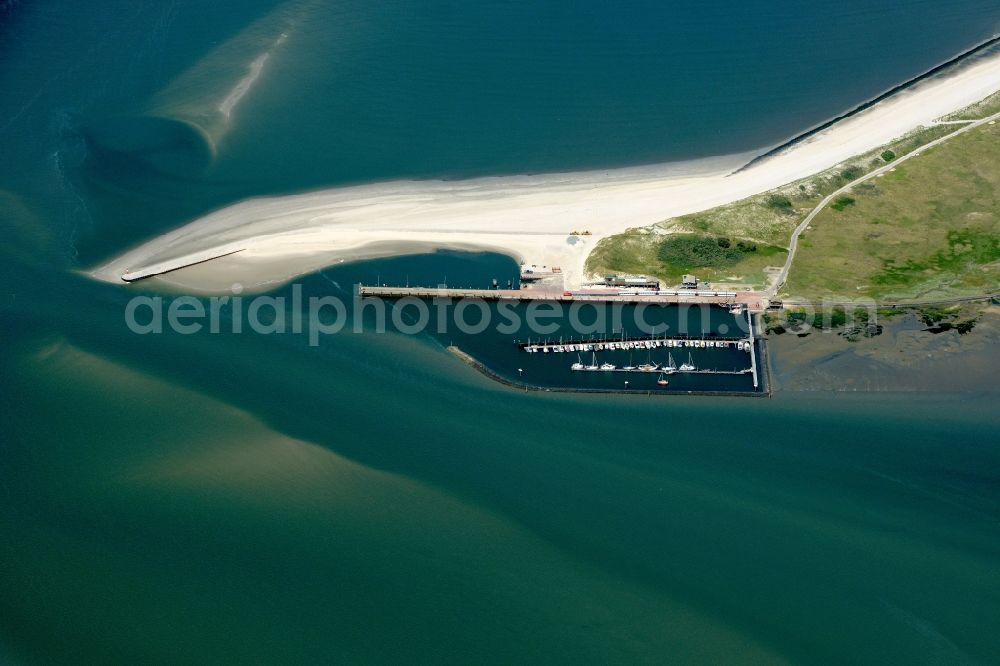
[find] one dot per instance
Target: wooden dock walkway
(633, 344)
(753, 352)
(703, 371)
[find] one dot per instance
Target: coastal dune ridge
(271, 240)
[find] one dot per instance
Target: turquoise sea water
(234, 498)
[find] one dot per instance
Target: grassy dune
(766, 220)
(928, 229)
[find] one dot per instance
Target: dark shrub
(686, 251)
(852, 172)
(841, 203)
(780, 202)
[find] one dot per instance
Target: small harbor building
(638, 282)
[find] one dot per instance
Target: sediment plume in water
(180, 134)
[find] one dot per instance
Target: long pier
(750, 299)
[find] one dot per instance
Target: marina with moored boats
(645, 343)
(582, 345)
(706, 346)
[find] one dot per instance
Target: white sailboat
(671, 366)
(689, 366)
(578, 365)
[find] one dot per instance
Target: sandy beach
(528, 217)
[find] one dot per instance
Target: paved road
(793, 245)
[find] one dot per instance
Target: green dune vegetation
(928, 229)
